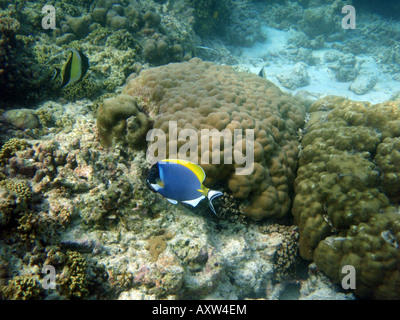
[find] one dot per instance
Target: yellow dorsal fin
(195, 168)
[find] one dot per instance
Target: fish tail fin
(211, 195)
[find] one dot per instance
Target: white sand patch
(321, 77)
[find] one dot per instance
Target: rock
(395, 96)
(118, 9)
(65, 28)
(99, 15)
(177, 52)
(118, 22)
(65, 39)
(135, 294)
(294, 77)
(366, 79)
(110, 14)
(79, 25)
(396, 77)
(346, 74)
(307, 97)
(344, 65)
(332, 55)
(152, 19)
(22, 118)
(319, 287)
(94, 26)
(347, 70)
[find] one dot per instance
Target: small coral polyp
(201, 95)
(347, 193)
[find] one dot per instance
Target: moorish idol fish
(74, 69)
(181, 180)
(262, 73)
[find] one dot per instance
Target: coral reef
(322, 20)
(92, 217)
(9, 148)
(22, 118)
(73, 169)
(209, 15)
(315, 19)
(371, 247)
(14, 201)
(158, 50)
(243, 27)
(288, 253)
(344, 201)
(201, 95)
(72, 280)
(131, 26)
(23, 288)
(388, 159)
(236, 22)
(19, 68)
(139, 31)
(122, 120)
(319, 287)
(157, 245)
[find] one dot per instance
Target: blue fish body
(180, 183)
(179, 180)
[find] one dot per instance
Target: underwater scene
(199, 150)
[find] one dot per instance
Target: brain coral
(346, 192)
(201, 95)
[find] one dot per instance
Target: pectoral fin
(172, 201)
(194, 202)
(155, 186)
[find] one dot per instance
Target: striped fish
(74, 69)
(262, 73)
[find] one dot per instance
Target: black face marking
(154, 174)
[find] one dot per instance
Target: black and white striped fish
(74, 69)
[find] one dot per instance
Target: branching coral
(23, 288)
(9, 148)
(15, 195)
(73, 278)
